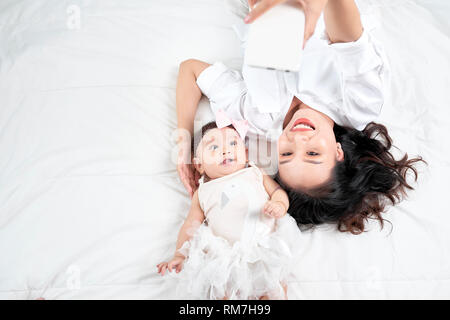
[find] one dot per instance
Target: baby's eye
(285, 154)
(312, 153)
(213, 147)
(233, 143)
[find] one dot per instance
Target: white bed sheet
(90, 200)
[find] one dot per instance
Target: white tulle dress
(238, 252)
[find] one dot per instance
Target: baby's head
(220, 152)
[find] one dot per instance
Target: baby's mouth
(227, 161)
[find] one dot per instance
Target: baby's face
(221, 152)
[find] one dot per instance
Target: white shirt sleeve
(348, 82)
(226, 90)
(364, 80)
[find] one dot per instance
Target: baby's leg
(266, 297)
(285, 291)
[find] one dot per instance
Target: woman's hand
(188, 174)
(176, 263)
(312, 9)
(275, 209)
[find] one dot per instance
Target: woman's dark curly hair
(361, 185)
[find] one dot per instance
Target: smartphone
(275, 39)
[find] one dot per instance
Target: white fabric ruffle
(215, 268)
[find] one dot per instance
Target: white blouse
(347, 81)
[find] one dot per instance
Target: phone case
(275, 39)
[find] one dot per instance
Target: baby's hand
(274, 209)
(176, 262)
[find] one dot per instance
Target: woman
(333, 161)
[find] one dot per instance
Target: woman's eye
(233, 143)
(213, 147)
(285, 154)
(312, 153)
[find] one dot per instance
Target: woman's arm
(364, 67)
(342, 21)
(188, 94)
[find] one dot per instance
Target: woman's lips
(303, 124)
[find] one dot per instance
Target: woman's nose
(301, 138)
(297, 138)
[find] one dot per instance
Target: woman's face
(307, 149)
(220, 152)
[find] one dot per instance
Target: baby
(237, 240)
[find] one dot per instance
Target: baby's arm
(278, 204)
(194, 219)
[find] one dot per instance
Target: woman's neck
(295, 105)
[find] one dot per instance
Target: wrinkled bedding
(90, 200)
